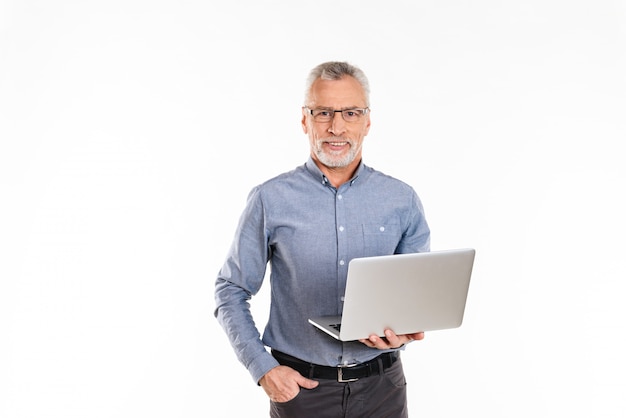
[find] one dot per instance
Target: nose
(337, 124)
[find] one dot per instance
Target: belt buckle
(340, 378)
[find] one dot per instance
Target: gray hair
(335, 70)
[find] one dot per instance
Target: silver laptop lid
(407, 293)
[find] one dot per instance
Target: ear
(305, 128)
(367, 126)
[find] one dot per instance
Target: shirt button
(341, 228)
(382, 229)
(339, 197)
(341, 262)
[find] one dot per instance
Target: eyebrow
(343, 108)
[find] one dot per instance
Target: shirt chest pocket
(380, 238)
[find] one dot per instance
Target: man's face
(336, 143)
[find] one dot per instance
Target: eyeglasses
(349, 115)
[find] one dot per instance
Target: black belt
(341, 373)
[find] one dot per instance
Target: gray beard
(330, 159)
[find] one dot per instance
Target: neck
(338, 175)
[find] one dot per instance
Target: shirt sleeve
(416, 236)
(238, 280)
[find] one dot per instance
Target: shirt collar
(317, 173)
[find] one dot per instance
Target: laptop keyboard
(336, 326)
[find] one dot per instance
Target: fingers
(305, 383)
(283, 383)
(391, 340)
(416, 337)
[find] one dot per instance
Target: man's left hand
(391, 340)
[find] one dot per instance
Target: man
(308, 224)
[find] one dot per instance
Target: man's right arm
(240, 277)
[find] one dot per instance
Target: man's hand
(283, 383)
(391, 340)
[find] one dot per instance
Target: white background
(131, 132)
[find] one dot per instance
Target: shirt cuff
(261, 365)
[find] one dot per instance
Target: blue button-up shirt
(308, 231)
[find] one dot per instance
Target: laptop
(406, 293)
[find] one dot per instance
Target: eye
(322, 113)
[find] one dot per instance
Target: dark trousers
(378, 396)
